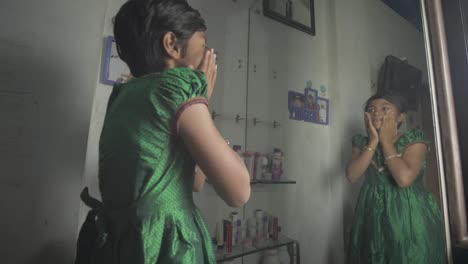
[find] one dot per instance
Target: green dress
(394, 225)
(146, 174)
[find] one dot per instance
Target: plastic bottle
(271, 257)
(249, 160)
(219, 235)
(259, 220)
(265, 225)
(237, 149)
(260, 166)
(252, 228)
(277, 164)
(284, 255)
(235, 227)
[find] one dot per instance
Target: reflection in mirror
(390, 207)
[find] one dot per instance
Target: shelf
(239, 251)
(282, 181)
(266, 182)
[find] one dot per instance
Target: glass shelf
(282, 181)
(240, 251)
(259, 182)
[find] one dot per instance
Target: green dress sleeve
(412, 137)
(176, 89)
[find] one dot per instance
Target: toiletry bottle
(289, 9)
(284, 255)
(259, 170)
(228, 235)
(270, 227)
(275, 228)
(277, 165)
(270, 257)
(237, 149)
(259, 226)
(266, 217)
(219, 235)
(239, 232)
(234, 219)
(252, 228)
(249, 160)
(243, 236)
(294, 253)
(265, 170)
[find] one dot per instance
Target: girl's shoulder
(412, 136)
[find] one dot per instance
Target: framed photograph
(296, 105)
(323, 111)
(310, 105)
(114, 69)
(298, 14)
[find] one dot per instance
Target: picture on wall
(114, 69)
(308, 107)
(323, 106)
(311, 104)
(298, 14)
(296, 105)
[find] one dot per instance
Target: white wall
(101, 96)
(49, 52)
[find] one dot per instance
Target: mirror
(298, 14)
(362, 47)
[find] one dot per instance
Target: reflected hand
(371, 131)
(388, 133)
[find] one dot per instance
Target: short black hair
(395, 98)
(139, 28)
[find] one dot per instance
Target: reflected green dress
(146, 174)
(393, 224)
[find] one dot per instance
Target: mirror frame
(268, 12)
(449, 160)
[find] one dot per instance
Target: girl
(157, 127)
(396, 220)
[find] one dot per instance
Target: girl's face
(381, 107)
(195, 51)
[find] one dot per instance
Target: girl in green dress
(396, 219)
(157, 128)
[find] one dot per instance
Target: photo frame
(311, 96)
(114, 69)
(299, 14)
(296, 105)
(323, 111)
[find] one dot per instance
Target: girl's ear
(171, 46)
(401, 117)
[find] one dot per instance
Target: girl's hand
(210, 68)
(371, 131)
(388, 133)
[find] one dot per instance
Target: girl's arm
(221, 165)
(361, 159)
(405, 169)
(360, 162)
